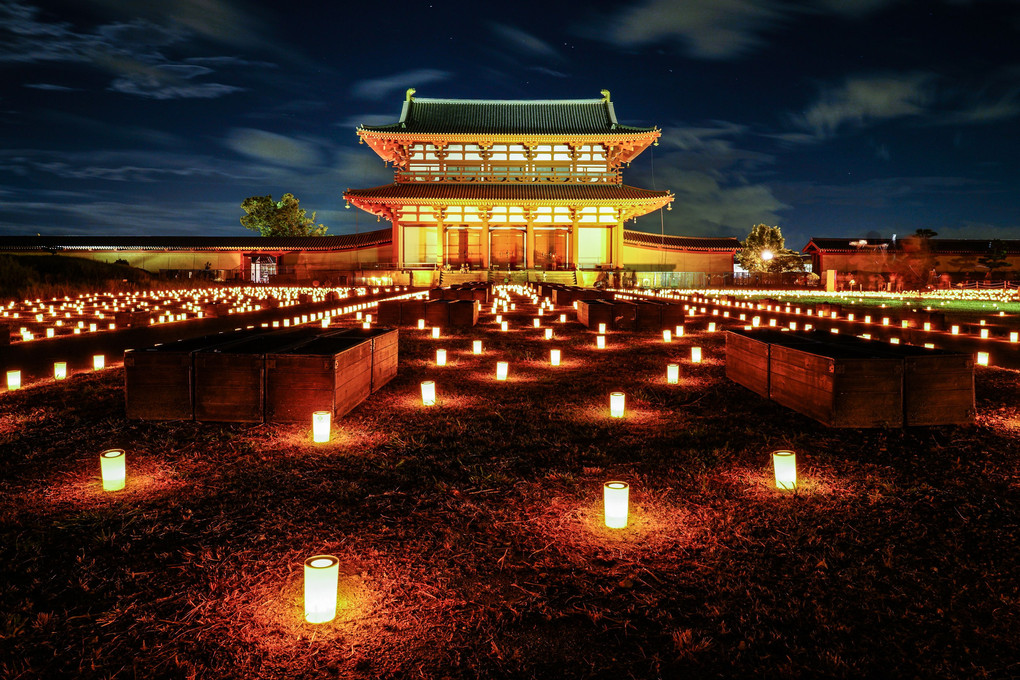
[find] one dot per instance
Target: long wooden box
(330, 373)
(411, 311)
(837, 386)
(648, 315)
(133, 319)
(747, 362)
(624, 316)
(159, 381)
(437, 313)
(230, 379)
(672, 315)
(593, 312)
(385, 354)
(388, 312)
(464, 312)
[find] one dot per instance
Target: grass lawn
(470, 534)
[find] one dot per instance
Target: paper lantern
(501, 370)
(435, 331)
(667, 336)
(927, 325)
(616, 404)
(711, 327)
(554, 357)
(982, 358)
(600, 341)
(98, 362)
(954, 330)
(503, 326)
(673, 374)
(113, 469)
(695, 355)
(984, 333)
(325, 323)
(59, 370)
(440, 357)
(357, 316)
(321, 421)
(602, 328)
(1014, 336)
(499, 318)
(421, 324)
(476, 347)
(784, 464)
(563, 318)
(615, 504)
(13, 380)
(366, 324)
(428, 393)
(536, 322)
(548, 333)
(679, 330)
(322, 575)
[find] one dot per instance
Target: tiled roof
(936, 245)
(500, 191)
(208, 243)
(544, 117)
(642, 238)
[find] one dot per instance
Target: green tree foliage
(279, 218)
(764, 250)
(996, 257)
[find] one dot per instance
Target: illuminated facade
(508, 184)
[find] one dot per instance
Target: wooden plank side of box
(747, 363)
(437, 313)
(464, 313)
(353, 386)
(229, 388)
(593, 312)
(868, 392)
(411, 311)
(388, 312)
(157, 386)
(649, 315)
(938, 390)
(672, 315)
(305, 379)
(801, 381)
(385, 352)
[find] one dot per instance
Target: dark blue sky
(826, 117)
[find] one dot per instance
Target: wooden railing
(525, 176)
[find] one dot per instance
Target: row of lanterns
(59, 371)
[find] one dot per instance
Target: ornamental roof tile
(540, 117)
(500, 191)
(642, 238)
(201, 243)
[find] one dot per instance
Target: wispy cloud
(524, 42)
(381, 88)
(864, 100)
(50, 87)
(274, 148)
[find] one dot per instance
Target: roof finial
(410, 94)
(605, 96)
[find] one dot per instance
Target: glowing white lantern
(679, 331)
(785, 465)
(366, 325)
(428, 393)
(322, 575)
(1014, 336)
(501, 370)
(548, 333)
(59, 370)
(321, 421)
(13, 380)
(673, 374)
(982, 358)
(113, 469)
(954, 330)
(602, 328)
(615, 504)
(98, 362)
(499, 318)
(711, 327)
(984, 333)
(755, 321)
(554, 357)
(667, 336)
(476, 347)
(50, 332)
(536, 322)
(616, 404)
(563, 318)
(927, 325)
(357, 316)
(435, 331)
(421, 324)
(503, 326)
(440, 357)
(600, 341)
(695, 355)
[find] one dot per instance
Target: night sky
(827, 117)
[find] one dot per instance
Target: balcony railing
(525, 176)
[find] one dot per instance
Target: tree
(279, 218)
(996, 257)
(764, 250)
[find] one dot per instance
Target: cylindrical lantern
(554, 357)
(13, 380)
(673, 374)
(982, 358)
(536, 322)
(428, 393)
(548, 333)
(435, 331)
(501, 370)
(320, 426)
(695, 355)
(366, 324)
(667, 336)
(59, 370)
(679, 330)
(616, 401)
(503, 326)
(325, 323)
(98, 362)
(602, 328)
(421, 324)
(563, 318)
(499, 318)
(358, 316)
(1014, 336)
(322, 574)
(113, 469)
(440, 357)
(711, 326)
(476, 347)
(984, 333)
(600, 341)
(615, 504)
(785, 465)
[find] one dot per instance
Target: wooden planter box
(437, 313)
(837, 386)
(385, 356)
(230, 379)
(133, 319)
(624, 316)
(159, 381)
(464, 312)
(593, 312)
(330, 373)
(389, 312)
(411, 311)
(672, 315)
(747, 362)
